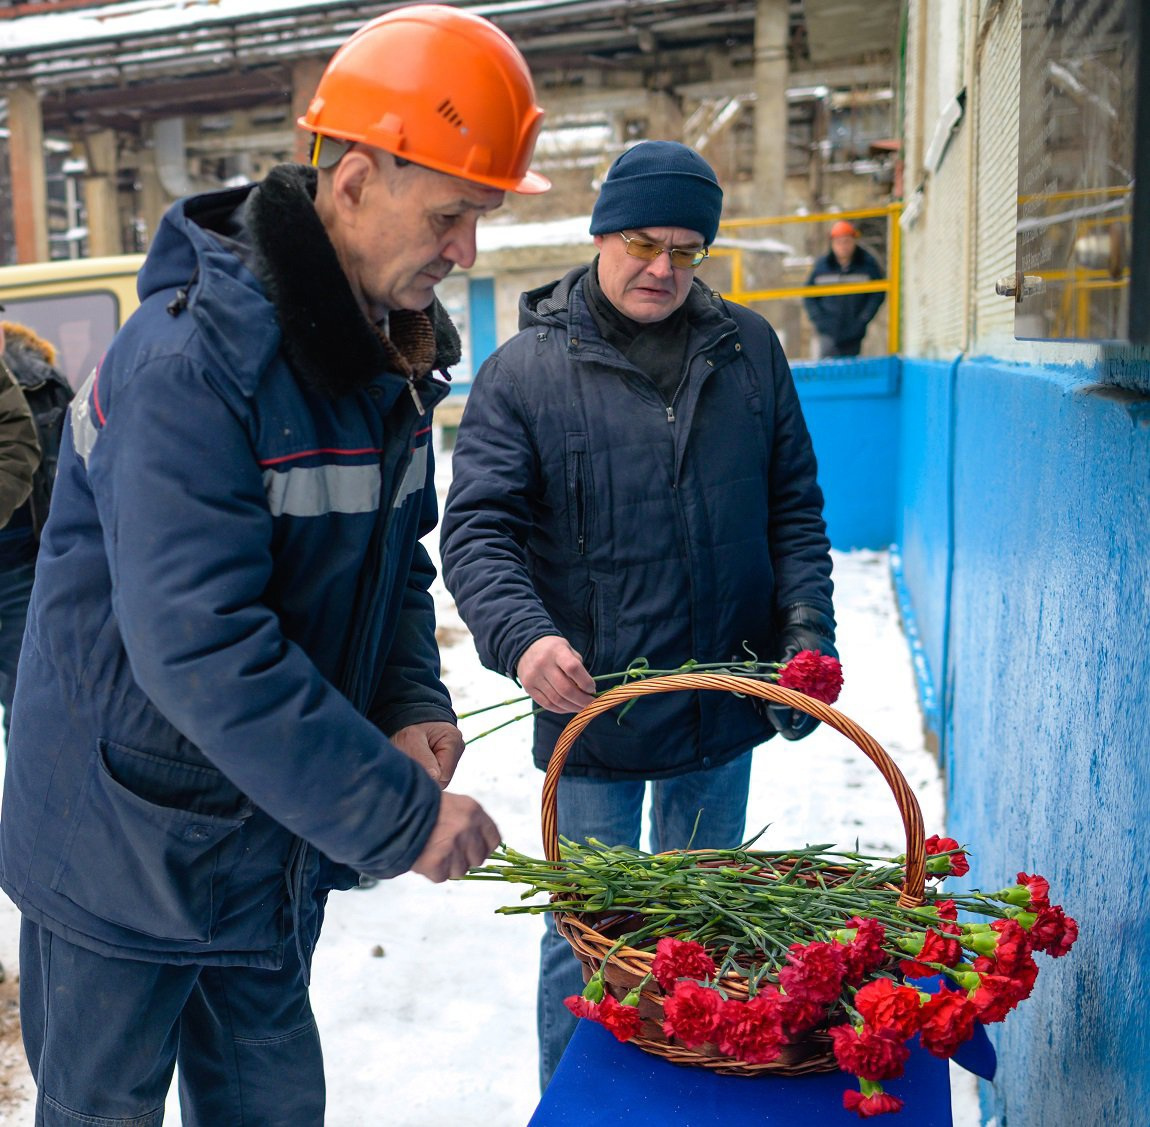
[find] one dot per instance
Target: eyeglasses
(685, 258)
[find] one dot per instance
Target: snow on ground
(425, 997)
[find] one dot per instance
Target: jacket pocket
(602, 609)
(579, 491)
(138, 861)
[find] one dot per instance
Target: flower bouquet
(751, 962)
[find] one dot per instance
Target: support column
(26, 167)
(151, 199)
(305, 76)
(664, 116)
(100, 196)
(771, 72)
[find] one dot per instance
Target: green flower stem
(748, 906)
(638, 670)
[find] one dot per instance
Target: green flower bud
(594, 991)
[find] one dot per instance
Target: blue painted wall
(1026, 561)
(852, 412)
(923, 536)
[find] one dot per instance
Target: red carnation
(1013, 944)
(935, 949)
(954, 864)
(878, 1103)
(813, 674)
(691, 1013)
(814, 972)
(677, 958)
(752, 1031)
(1039, 889)
(581, 1007)
(996, 995)
(864, 953)
(621, 1020)
(801, 1014)
(947, 1020)
(889, 1008)
(1054, 931)
(869, 1053)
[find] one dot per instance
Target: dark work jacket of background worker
(32, 361)
(581, 506)
(19, 444)
(196, 721)
(841, 321)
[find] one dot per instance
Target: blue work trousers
(611, 812)
(104, 1035)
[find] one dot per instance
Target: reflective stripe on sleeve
(312, 491)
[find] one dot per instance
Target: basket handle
(912, 888)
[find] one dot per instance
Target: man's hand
(436, 746)
(554, 675)
(462, 838)
(801, 627)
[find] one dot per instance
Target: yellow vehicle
(77, 304)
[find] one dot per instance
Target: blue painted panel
(1049, 653)
(851, 408)
(923, 524)
(480, 329)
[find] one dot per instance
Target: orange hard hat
(437, 86)
(844, 227)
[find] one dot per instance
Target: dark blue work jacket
(231, 609)
(582, 504)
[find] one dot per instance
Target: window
(1082, 261)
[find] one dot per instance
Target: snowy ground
(425, 997)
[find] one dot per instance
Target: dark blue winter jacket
(231, 607)
(583, 505)
(844, 318)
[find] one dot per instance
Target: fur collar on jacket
(326, 338)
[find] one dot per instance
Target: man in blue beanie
(633, 478)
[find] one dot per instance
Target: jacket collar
(326, 338)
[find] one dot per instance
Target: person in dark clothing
(229, 699)
(19, 444)
(32, 361)
(633, 477)
(841, 320)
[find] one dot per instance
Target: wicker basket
(592, 935)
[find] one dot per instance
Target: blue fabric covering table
(600, 1082)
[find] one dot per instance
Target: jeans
(15, 591)
(103, 1036)
(611, 811)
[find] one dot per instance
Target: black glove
(801, 627)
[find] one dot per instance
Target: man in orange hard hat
(841, 320)
(229, 701)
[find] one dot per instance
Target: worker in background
(32, 361)
(19, 446)
(841, 320)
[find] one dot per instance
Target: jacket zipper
(686, 372)
(415, 396)
(580, 507)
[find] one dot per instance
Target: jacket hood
(31, 358)
(256, 268)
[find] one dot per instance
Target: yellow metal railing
(742, 293)
(1073, 314)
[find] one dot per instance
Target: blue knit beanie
(659, 184)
